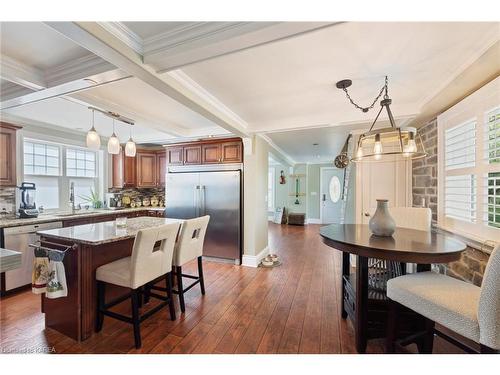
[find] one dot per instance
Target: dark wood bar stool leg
(180, 288)
(169, 281)
(200, 275)
(146, 292)
(135, 319)
(428, 340)
(361, 323)
(101, 290)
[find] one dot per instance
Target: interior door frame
(358, 203)
(321, 169)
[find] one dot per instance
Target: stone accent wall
(425, 171)
(473, 262)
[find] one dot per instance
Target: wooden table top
(405, 245)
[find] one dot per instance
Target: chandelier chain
(384, 88)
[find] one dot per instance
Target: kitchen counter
(47, 218)
(105, 232)
(9, 260)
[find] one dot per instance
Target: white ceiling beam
(65, 89)
(206, 40)
(101, 42)
(21, 74)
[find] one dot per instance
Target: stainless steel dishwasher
(18, 239)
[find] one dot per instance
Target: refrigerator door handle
(203, 200)
(197, 200)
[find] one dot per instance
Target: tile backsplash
(8, 201)
(137, 193)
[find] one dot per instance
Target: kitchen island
(95, 244)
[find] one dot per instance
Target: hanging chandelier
(384, 144)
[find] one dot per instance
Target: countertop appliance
(18, 239)
(27, 208)
(215, 192)
(113, 201)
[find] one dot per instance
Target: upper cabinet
(8, 154)
(146, 170)
(206, 152)
(146, 164)
(124, 170)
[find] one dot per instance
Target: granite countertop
(9, 259)
(47, 218)
(106, 232)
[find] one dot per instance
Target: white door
(331, 195)
(381, 180)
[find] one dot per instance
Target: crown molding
(21, 74)
(82, 67)
(194, 87)
(125, 35)
(284, 155)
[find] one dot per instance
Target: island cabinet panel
(232, 152)
(162, 167)
(211, 153)
(192, 155)
(146, 169)
(175, 155)
(8, 154)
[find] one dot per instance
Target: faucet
(72, 198)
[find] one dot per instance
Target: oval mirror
(334, 189)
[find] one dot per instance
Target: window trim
(63, 178)
(474, 107)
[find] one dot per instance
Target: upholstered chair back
(190, 243)
(489, 303)
(418, 218)
(148, 263)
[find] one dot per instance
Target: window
(271, 183)
(469, 165)
(53, 167)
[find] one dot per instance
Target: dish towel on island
(56, 284)
(40, 274)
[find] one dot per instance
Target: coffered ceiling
(193, 79)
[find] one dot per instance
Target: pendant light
(387, 144)
(93, 140)
(130, 148)
(114, 142)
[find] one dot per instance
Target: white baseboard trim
(254, 260)
(314, 221)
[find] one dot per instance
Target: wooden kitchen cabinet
(146, 169)
(211, 153)
(175, 155)
(123, 170)
(231, 152)
(162, 167)
(192, 155)
(8, 154)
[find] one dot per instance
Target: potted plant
(93, 199)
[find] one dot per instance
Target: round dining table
(405, 245)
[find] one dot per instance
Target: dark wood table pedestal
(365, 306)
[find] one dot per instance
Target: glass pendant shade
(130, 148)
(114, 145)
(93, 140)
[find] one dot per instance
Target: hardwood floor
(293, 308)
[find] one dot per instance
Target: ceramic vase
(382, 224)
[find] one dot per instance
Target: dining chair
(147, 263)
(470, 311)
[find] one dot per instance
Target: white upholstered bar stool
(471, 311)
(144, 265)
(190, 247)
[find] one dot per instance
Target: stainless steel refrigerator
(216, 193)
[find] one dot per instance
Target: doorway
(331, 185)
